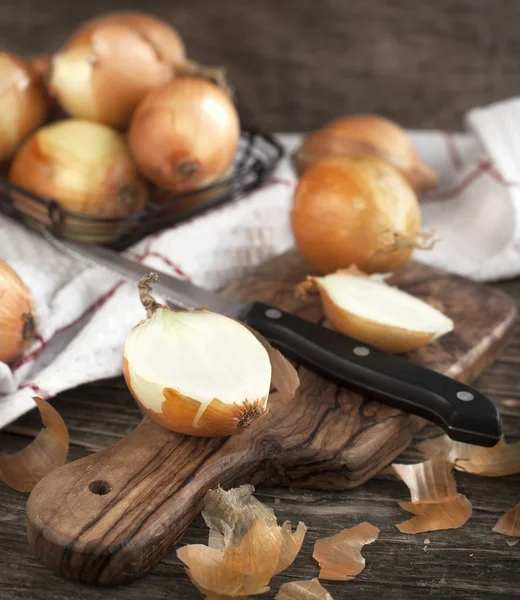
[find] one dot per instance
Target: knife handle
(464, 413)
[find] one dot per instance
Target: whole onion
(23, 103)
(111, 63)
(17, 319)
(356, 210)
(367, 134)
(185, 135)
(86, 167)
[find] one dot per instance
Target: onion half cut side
(370, 310)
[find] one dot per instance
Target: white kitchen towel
(84, 313)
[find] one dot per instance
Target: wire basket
(257, 155)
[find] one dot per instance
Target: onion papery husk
(220, 374)
(48, 451)
(87, 169)
(435, 500)
(509, 524)
(371, 135)
(24, 103)
(247, 547)
(356, 210)
(17, 315)
(340, 556)
(499, 461)
(368, 309)
(303, 590)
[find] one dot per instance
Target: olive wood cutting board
(109, 517)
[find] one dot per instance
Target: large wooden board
(108, 518)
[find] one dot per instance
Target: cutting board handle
(93, 519)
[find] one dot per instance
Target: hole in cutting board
(100, 487)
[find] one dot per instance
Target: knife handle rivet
(273, 313)
(361, 351)
(465, 396)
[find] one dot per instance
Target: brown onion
(41, 65)
(17, 317)
(184, 136)
(355, 210)
(23, 103)
(86, 167)
(112, 62)
(367, 134)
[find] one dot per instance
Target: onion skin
(178, 413)
(367, 134)
(41, 65)
(185, 135)
(195, 372)
(24, 103)
(86, 167)
(17, 315)
(390, 339)
(111, 63)
(355, 210)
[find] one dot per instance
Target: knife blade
(464, 413)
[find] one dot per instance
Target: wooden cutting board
(109, 517)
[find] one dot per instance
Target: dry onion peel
(184, 136)
(248, 547)
(303, 590)
(448, 514)
(430, 481)
(356, 210)
(435, 500)
(23, 103)
(48, 451)
(509, 524)
(340, 556)
(370, 310)
(17, 316)
(195, 372)
(367, 134)
(498, 461)
(232, 513)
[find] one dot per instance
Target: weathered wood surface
(327, 438)
(470, 563)
(299, 63)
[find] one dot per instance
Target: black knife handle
(464, 413)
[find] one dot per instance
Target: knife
(465, 414)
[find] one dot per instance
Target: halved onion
(356, 210)
(185, 135)
(111, 63)
(367, 134)
(370, 310)
(17, 317)
(23, 103)
(197, 372)
(86, 167)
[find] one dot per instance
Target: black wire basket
(256, 158)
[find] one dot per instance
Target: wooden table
(471, 563)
